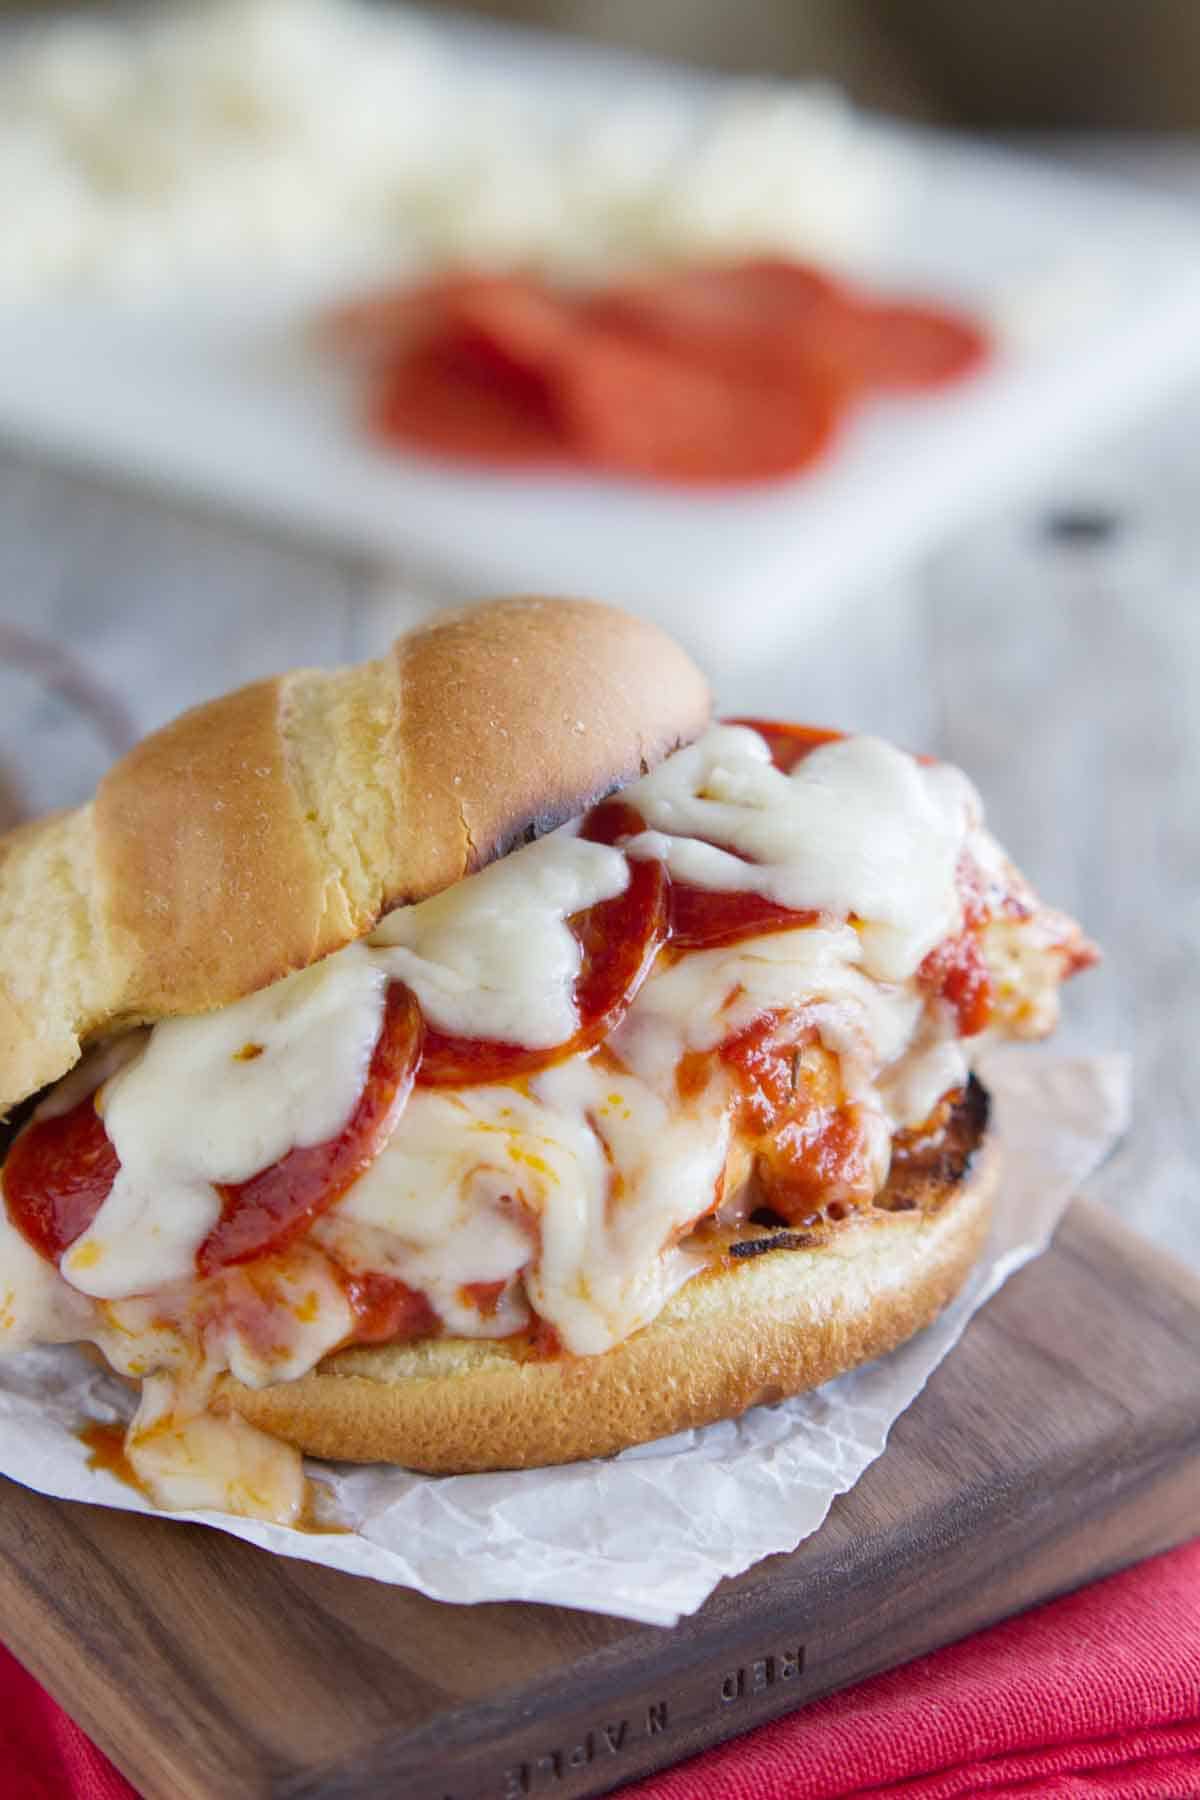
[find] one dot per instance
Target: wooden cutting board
(1060, 1441)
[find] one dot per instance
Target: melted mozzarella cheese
(216, 1099)
(270, 1320)
(608, 1267)
(441, 1206)
(612, 1166)
(710, 995)
(916, 1082)
(582, 1180)
(192, 1461)
(493, 956)
(36, 1307)
(814, 978)
(858, 828)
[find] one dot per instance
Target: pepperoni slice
(437, 400)
(755, 320)
(382, 322)
(269, 1211)
(483, 380)
(505, 370)
(702, 918)
(775, 321)
(611, 822)
(706, 919)
(57, 1177)
(513, 310)
(904, 347)
(700, 302)
(515, 320)
(619, 939)
(643, 409)
(523, 383)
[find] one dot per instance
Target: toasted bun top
(261, 831)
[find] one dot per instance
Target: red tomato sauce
(764, 1066)
(957, 968)
(388, 1311)
(815, 1165)
(542, 1341)
(484, 1296)
(809, 1152)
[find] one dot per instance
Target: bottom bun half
(778, 1311)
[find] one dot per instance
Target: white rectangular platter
(222, 397)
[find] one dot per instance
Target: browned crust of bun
(757, 1328)
(264, 830)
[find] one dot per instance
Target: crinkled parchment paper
(648, 1534)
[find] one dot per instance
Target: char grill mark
(923, 1179)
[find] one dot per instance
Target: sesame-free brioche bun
(266, 829)
(778, 1311)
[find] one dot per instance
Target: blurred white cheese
(140, 154)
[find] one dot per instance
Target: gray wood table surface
(1054, 652)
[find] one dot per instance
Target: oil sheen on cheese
(583, 1178)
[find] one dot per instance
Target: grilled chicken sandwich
(480, 1059)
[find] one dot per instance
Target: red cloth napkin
(1091, 1696)
(1096, 1694)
